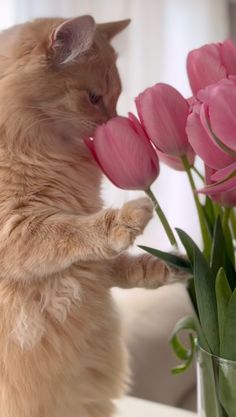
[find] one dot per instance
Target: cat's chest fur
(69, 183)
(73, 186)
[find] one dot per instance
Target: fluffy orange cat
(61, 350)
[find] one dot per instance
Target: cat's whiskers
(35, 123)
(56, 115)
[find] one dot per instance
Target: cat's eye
(94, 98)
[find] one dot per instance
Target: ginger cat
(61, 350)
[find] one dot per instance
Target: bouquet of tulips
(179, 131)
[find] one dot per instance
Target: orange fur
(61, 348)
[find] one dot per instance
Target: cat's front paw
(178, 275)
(157, 273)
(130, 222)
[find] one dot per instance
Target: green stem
(233, 222)
(197, 172)
(204, 230)
(228, 233)
(218, 210)
(162, 217)
(226, 217)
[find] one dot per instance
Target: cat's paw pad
(131, 220)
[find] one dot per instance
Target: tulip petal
(204, 146)
(204, 95)
(137, 126)
(222, 105)
(225, 199)
(90, 142)
(224, 173)
(127, 158)
(225, 186)
(194, 104)
(204, 67)
(163, 113)
(232, 78)
(228, 54)
(206, 123)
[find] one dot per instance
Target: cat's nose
(109, 115)
(113, 113)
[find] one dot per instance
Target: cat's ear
(71, 38)
(111, 29)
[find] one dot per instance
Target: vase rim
(216, 357)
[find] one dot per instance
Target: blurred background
(152, 49)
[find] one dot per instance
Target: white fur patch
(56, 298)
(29, 328)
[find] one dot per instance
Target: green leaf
(186, 353)
(209, 215)
(180, 351)
(204, 282)
(206, 300)
(184, 366)
(192, 295)
(220, 255)
(171, 259)
(223, 295)
(233, 223)
(229, 245)
(188, 244)
(206, 236)
(228, 346)
(227, 387)
(209, 385)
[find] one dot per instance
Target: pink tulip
(124, 153)
(204, 94)
(203, 142)
(227, 196)
(163, 112)
(228, 56)
(211, 131)
(221, 106)
(194, 104)
(211, 63)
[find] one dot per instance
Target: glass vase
(216, 385)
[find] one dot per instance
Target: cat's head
(61, 71)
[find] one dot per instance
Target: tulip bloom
(203, 142)
(124, 153)
(211, 128)
(220, 106)
(211, 63)
(163, 112)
